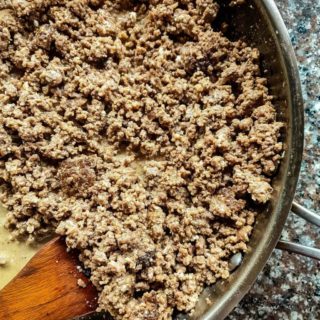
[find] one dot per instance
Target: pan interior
(260, 25)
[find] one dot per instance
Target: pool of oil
(13, 254)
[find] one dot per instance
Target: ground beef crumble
(140, 134)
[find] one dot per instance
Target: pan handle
(298, 248)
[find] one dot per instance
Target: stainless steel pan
(260, 23)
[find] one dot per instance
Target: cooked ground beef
(140, 134)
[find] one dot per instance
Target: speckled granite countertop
(289, 285)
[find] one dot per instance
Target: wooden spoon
(47, 288)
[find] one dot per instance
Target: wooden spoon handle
(47, 288)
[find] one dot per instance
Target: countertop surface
(289, 285)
